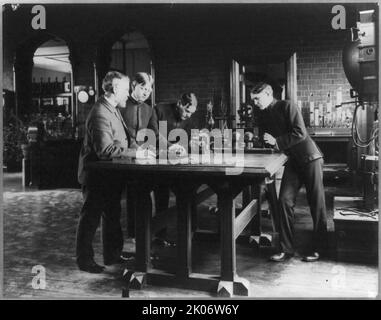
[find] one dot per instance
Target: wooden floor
(40, 226)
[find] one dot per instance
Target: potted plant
(24, 142)
(15, 141)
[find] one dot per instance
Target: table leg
(226, 205)
(143, 237)
(246, 196)
(194, 219)
(230, 283)
(272, 199)
(256, 230)
(131, 210)
(184, 202)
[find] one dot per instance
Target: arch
(23, 66)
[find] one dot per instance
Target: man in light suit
(106, 137)
(283, 127)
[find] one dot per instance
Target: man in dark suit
(105, 138)
(137, 114)
(283, 127)
(177, 116)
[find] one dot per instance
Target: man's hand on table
(140, 153)
(177, 150)
(145, 153)
(269, 139)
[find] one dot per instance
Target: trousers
(294, 176)
(102, 197)
(161, 198)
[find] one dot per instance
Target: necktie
(119, 116)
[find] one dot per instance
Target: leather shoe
(127, 256)
(314, 256)
(123, 258)
(280, 257)
(90, 266)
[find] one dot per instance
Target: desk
(53, 164)
(356, 231)
(184, 180)
(338, 148)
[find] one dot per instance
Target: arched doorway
(36, 60)
(52, 88)
(43, 86)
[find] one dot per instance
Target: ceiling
(53, 55)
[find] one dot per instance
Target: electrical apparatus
(356, 218)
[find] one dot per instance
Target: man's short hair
(259, 87)
(188, 98)
(143, 78)
(108, 79)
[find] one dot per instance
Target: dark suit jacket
(105, 138)
(138, 116)
(285, 123)
(169, 112)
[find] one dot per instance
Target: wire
(359, 142)
(361, 210)
(351, 211)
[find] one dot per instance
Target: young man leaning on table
(282, 126)
(176, 115)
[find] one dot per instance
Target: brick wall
(320, 70)
(201, 63)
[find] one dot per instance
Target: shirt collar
(273, 102)
(271, 105)
(134, 101)
(177, 112)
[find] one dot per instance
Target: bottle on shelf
(62, 89)
(66, 104)
(321, 115)
(209, 115)
(42, 87)
(60, 120)
(316, 117)
(338, 116)
(56, 87)
(333, 117)
(312, 111)
(49, 87)
(339, 97)
(76, 133)
(66, 85)
(328, 121)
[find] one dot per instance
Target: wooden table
(184, 180)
